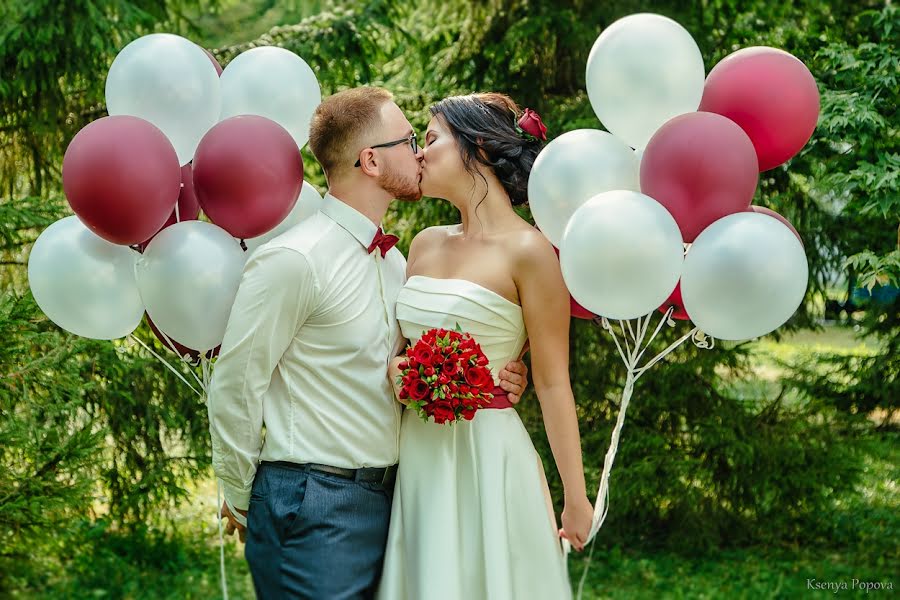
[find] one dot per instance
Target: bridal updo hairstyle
(484, 126)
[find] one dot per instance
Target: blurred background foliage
(744, 469)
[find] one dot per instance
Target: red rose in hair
(530, 122)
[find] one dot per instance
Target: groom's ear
(368, 163)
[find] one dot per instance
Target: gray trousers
(315, 536)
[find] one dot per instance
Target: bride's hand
(393, 374)
(577, 517)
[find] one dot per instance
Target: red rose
(530, 122)
(423, 354)
(453, 387)
(449, 367)
(443, 413)
(443, 379)
(437, 360)
(419, 390)
(403, 366)
(429, 371)
(468, 413)
(482, 361)
(477, 377)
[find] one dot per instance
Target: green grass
(861, 539)
(862, 546)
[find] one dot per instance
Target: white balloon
(83, 283)
(188, 277)
(169, 81)
(744, 276)
(308, 203)
(573, 168)
(274, 83)
(643, 70)
(621, 254)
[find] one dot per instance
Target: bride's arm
(545, 303)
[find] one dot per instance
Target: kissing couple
(337, 490)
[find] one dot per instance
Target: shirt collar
(354, 222)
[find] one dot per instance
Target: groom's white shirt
(306, 353)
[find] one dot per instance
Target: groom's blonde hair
(340, 124)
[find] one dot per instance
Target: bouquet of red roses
(445, 376)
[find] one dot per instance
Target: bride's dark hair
(484, 126)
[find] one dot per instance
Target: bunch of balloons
(182, 136)
(656, 213)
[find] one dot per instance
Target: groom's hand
(514, 380)
(233, 524)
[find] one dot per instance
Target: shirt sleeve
(276, 295)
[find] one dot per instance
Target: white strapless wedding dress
(470, 519)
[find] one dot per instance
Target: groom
(304, 424)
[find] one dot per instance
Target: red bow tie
(383, 241)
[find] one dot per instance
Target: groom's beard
(401, 188)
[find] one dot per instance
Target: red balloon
(771, 95)
(215, 62)
(767, 211)
(122, 178)
(701, 167)
(247, 174)
(187, 208)
(182, 350)
(674, 300)
(580, 312)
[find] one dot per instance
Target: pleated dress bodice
(495, 322)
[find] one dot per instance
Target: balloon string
(221, 540)
(168, 341)
(630, 358)
(166, 363)
(662, 322)
(664, 353)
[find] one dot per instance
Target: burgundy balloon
(768, 211)
(122, 178)
(771, 95)
(247, 174)
(187, 208)
(182, 350)
(580, 312)
(215, 62)
(674, 300)
(701, 167)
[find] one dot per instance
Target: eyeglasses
(411, 140)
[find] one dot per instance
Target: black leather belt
(381, 475)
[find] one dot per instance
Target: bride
(472, 516)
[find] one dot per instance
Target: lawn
(863, 548)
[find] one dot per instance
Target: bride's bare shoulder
(529, 244)
(429, 237)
